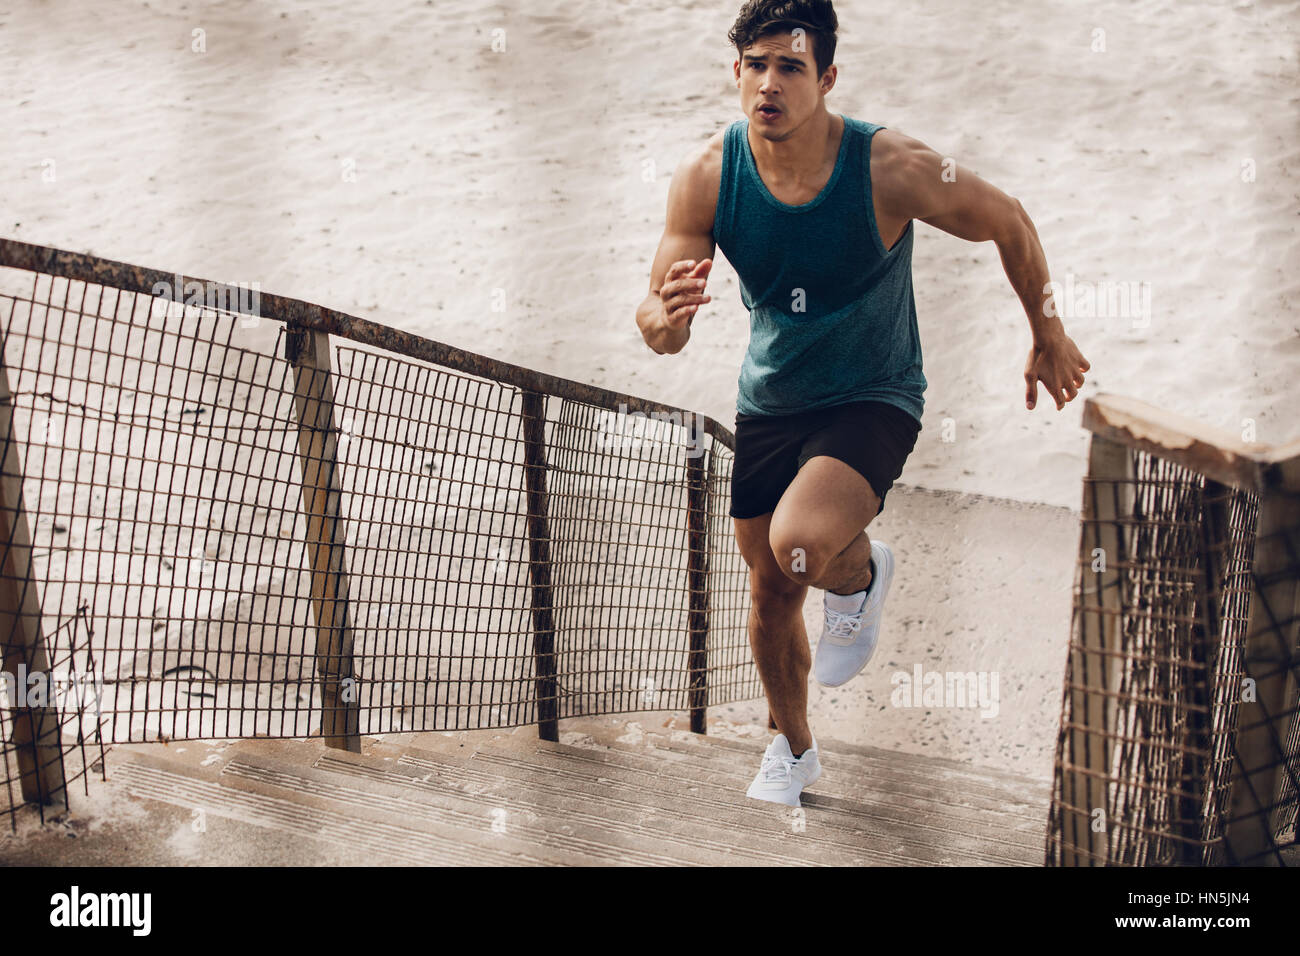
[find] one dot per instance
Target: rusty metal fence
(50, 745)
(276, 519)
(1178, 734)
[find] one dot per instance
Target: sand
(386, 161)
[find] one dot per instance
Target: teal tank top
(831, 314)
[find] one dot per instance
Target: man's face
(779, 71)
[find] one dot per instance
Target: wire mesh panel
(179, 462)
(72, 689)
(619, 529)
(159, 461)
(620, 493)
(435, 490)
(1155, 682)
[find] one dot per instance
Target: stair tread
(603, 728)
(929, 828)
(1030, 791)
(1008, 834)
(847, 785)
(362, 828)
(608, 794)
(833, 826)
(654, 810)
(537, 808)
(1030, 794)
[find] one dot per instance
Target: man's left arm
(912, 181)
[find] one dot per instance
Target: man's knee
(802, 556)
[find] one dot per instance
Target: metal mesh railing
(44, 745)
(275, 533)
(1180, 687)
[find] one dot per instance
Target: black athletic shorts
(874, 438)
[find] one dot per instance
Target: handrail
(1213, 452)
(317, 318)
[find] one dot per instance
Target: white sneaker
(783, 776)
(849, 640)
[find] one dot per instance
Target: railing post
(699, 478)
(539, 564)
(1205, 646)
(1268, 661)
(1094, 661)
(36, 729)
(308, 353)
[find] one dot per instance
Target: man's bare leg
(849, 573)
(777, 635)
(815, 537)
(818, 531)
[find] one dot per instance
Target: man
(815, 213)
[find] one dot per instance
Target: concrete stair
(640, 792)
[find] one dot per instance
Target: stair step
(702, 795)
(970, 783)
(613, 794)
(373, 836)
(469, 798)
(724, 825)
(114, 826)
(850, 779)
(996, 783)
(1012, 821)
(853, 778)
(758, 833)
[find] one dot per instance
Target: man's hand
(1059, 365)
(683, 291)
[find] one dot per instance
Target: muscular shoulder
(898, 162)
(709, 156)
(694, 190)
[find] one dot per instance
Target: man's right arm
(685, 255)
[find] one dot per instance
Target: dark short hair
(760, 18)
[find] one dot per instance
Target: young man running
(815, 213)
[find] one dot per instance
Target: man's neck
(803, 154)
